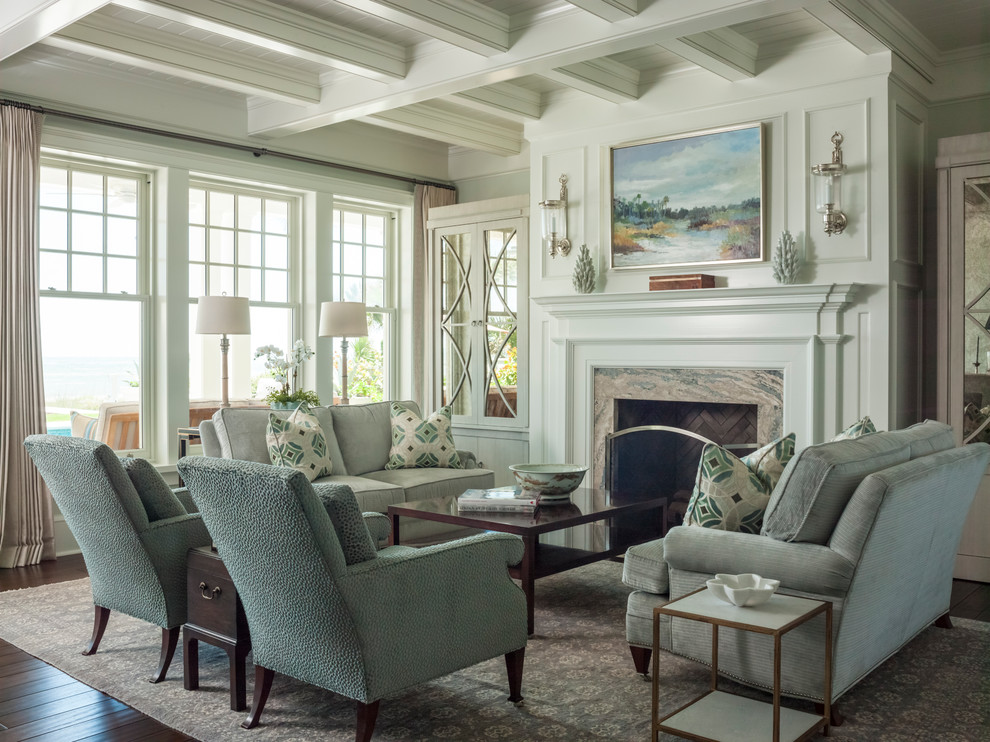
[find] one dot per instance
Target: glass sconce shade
(828, 189)
(554, 222)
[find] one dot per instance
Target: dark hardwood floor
(37, 702)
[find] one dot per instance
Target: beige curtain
(426, 198)
(26, 529)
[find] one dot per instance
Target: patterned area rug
(579, 682)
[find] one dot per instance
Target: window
(241, 243)
(92, 258)
(360, 272)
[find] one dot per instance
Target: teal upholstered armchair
(325, 607)
(133, 530)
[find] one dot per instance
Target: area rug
(579, 682)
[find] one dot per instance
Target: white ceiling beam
(464, 23)
(603, 78)
(610, 10)
(876, 27)
(142, 47)
(278, 29)
(722, 51)
(503, 99)
(26, 22)
(545, 45)
(441, 123)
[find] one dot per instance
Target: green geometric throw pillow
(731, 494)
(298, 442)
(858, 428)
(422, 444)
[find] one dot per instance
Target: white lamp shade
(343, 319)
(223, 315)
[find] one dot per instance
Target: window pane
(276, 286)
(221, 246)
(197, 280)
(335, 261)
(81, 374)
(277, 216)
(221, 209)
(353, 289)
(375, 265)
(121, 236)
(121, 275)
(365, 363)
(87, 233)
(87, 273)
(197, 244)
(197, 206)
(221, 280)
(353, 226)
(122, 196)
(87, 191)
(374, 292)
(249, 283)
(276, 252)
(249, 213)
(54, 188)
(375, 230)
(273, 326)
(353, 259)
(54, 274)
(52, 233)
(249, 249)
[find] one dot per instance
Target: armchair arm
(379, 526)
(186, 499)
(804, 567)
(423, 613)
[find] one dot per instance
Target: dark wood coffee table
(621, 525)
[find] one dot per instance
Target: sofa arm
(379, 526)
(468, 459)
(803, 567)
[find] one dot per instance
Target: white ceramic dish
(743, 590)
(549, 482)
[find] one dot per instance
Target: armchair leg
(262, 687)
(367, 714)
(514, 666)
(641, 658)
(170, 639)
(943, 621)
(100, 617)
(835, 718)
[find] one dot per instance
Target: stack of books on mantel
(501, 499)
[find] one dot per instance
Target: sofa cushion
(419, 443)
(818, 482)
(157, 497)
(731, 493)
(644, 568)
(859, 428)
(425, 484)
(82, 426)
(372, 496)
(352, 533)
(364, 433)
(924, 438)
(241, 434)
(298, 442)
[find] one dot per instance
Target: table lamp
(223, 315)
(343, 319)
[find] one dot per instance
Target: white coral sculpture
(584, 272)
(786, 261)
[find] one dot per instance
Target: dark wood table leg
(190, 661)
(393, 539)
(527, 575)
(238, 677)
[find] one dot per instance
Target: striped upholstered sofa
(871, 524)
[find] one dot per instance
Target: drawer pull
(203, 587)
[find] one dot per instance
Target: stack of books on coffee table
(502, 499)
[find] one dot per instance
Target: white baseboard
(972, 568)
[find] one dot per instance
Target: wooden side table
(215, 615)
(716, 716)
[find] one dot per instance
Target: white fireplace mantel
(797, 329)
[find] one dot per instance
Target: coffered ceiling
(463, 72)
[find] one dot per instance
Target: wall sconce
(829, 189)
(555, 222)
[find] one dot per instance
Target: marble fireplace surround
(728, 335)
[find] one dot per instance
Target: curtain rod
(256, 151)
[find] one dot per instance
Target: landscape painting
(688, 200)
